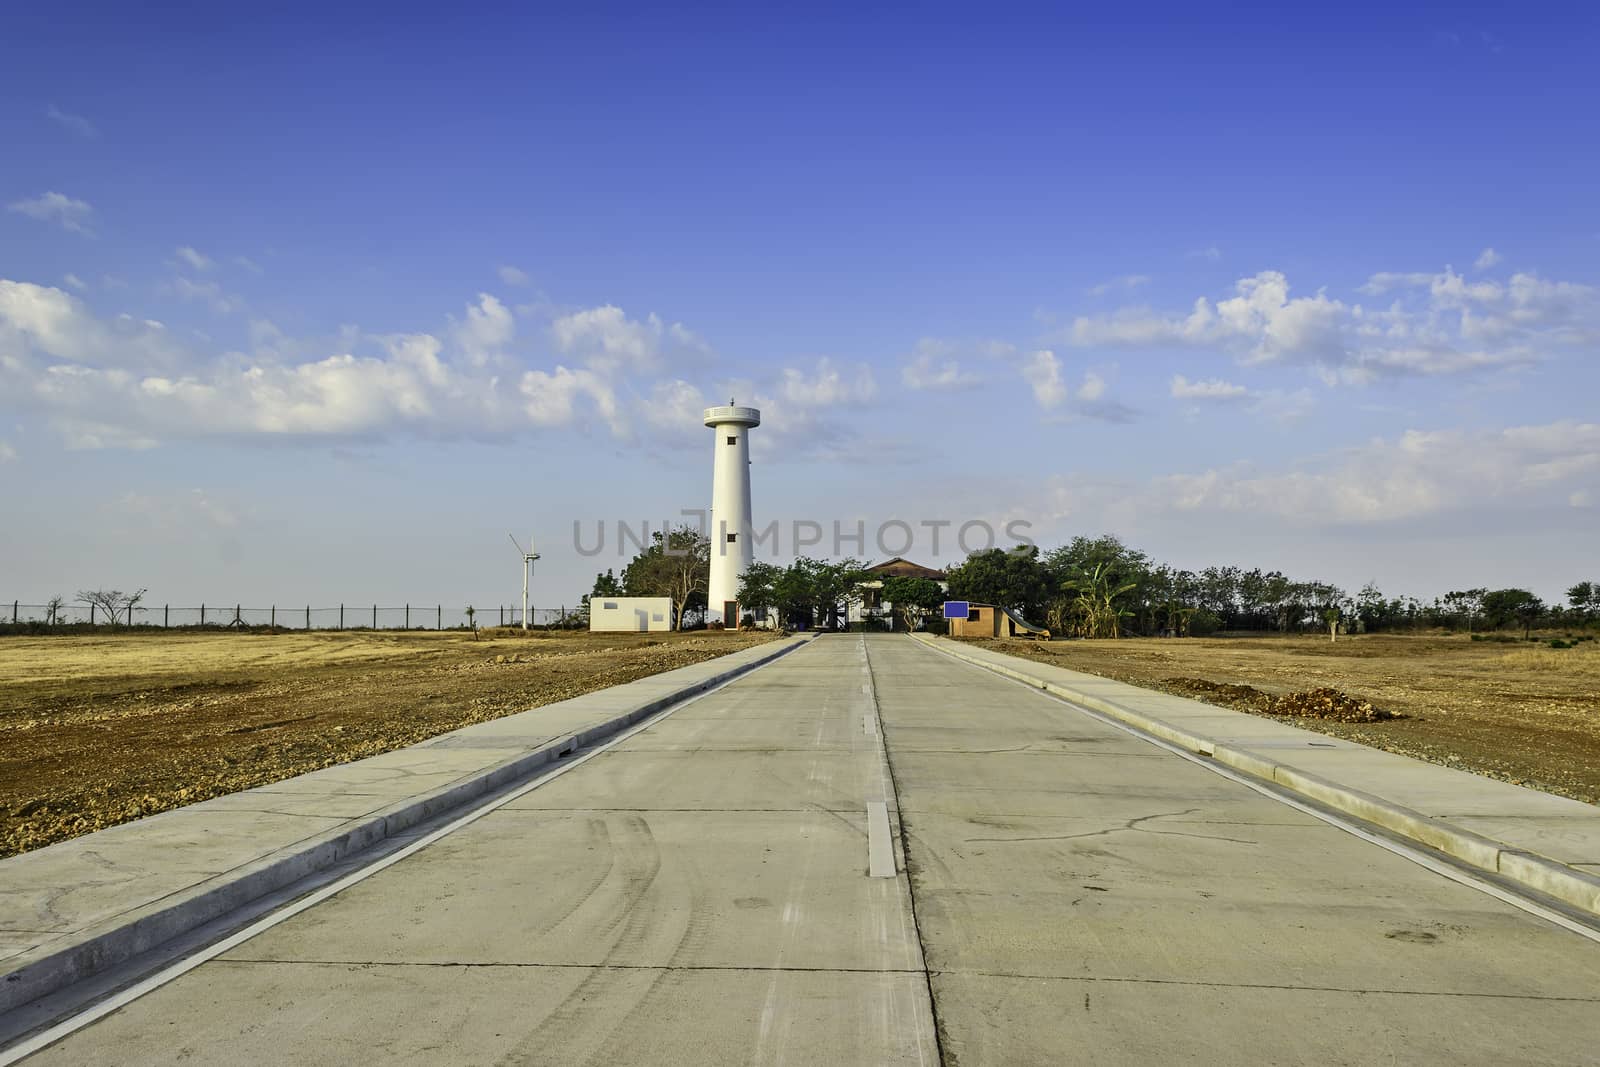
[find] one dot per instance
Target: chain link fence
(291, 617)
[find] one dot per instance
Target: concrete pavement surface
(82, 907)
(701, 893)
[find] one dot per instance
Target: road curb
(1539, 873)
(115, 941)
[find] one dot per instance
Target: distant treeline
(1099, 587)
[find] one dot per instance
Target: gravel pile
(1323, 702)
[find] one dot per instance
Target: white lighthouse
(731, 550)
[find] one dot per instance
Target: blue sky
(309, 304)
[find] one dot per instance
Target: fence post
(438, 616)
(238, 616)
(341, 616)
(308, 616)
(502, 614)
(374, 616)
(91, 614)
(166, 616)
(274, 616)
(408, 616)
(14, 604)
(202, 614)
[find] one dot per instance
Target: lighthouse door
(730, 614)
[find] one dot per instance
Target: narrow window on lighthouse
(733, 440)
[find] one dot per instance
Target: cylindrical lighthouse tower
(730, 526)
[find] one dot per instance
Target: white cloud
(194, 259)
(828, 386)
(928, 371)
(1273, 404)
(1120, 283)
(7, 453)
(673, 411)
(1212, 253)
(69, 214)
(1421, 473)
(1435, 324)
(1046, 376)
(247, 263)
(1042, 371)
(488, 329)
(74, 281)
(605, 338)
(1581, 498)
(76, 123)
(512, 276)
(1486, 259)
(1212, 389)
(1388, 280)
(124, 383)
(38, 319)
(551, 399)
(210, 293)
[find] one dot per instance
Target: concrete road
(700, 893)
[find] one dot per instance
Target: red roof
(900, 567)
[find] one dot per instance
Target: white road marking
(880, 848)
(922, 1022)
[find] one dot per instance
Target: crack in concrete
(1131, 824)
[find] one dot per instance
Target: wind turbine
(527, 572)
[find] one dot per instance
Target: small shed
(989, 620)
(630, 614)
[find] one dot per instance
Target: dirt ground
(97, 730)
(1520, 712)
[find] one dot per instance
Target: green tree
(757, 593)
(1505, 606)
(1585, 599)
(835, 586)
(806, 593)
(677, 566)
(1013, 579)
(1464, 605)
(1099, 603)
(913, 598)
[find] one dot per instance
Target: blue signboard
(955, 609)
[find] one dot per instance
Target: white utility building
(730, 525)
(638, 614)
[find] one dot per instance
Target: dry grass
(1580, 662)
(96, 730)
(1529, 715)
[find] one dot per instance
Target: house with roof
(872, 606)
